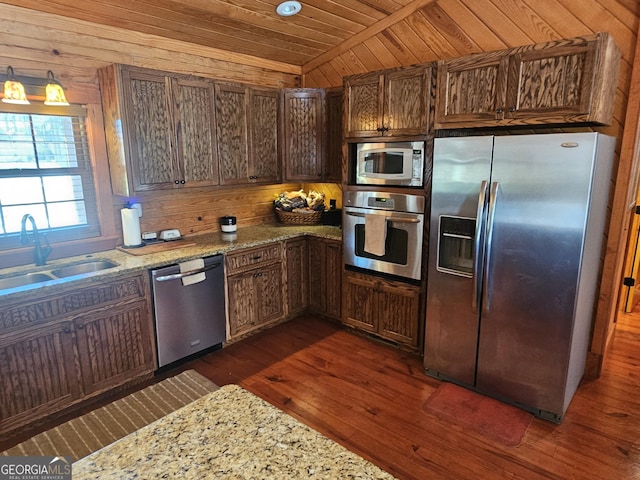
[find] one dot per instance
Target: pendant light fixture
(289, 8)
(14, 90)
(54, 94)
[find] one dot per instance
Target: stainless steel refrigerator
(516, 234)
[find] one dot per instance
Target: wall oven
(383, 232)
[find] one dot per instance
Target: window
(45, 171)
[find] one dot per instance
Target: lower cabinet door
(38, 373)
(359, 303)
(114, 345)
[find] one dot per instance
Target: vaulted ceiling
(243, 26)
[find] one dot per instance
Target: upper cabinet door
(551, 81)
(332, 166)
(303, 134)
(150, 130)
(195, 136)
(264, 155)
(406, 101)
(471, 89)
(364, 105)
(231, 130)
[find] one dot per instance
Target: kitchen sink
(24, 279)
(82, 268)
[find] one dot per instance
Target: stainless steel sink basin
(82, 268)
(24, 279)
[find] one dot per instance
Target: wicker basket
(295, 218)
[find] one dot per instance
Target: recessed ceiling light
(286, 9)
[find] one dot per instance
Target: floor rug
(90, 432)
(491, 418)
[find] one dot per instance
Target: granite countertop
(229, 433)
(198, 246)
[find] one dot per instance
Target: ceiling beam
(365, 34)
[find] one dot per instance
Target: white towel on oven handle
(375, 233)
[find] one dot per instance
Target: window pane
(16, 143)
(55, 141)
(20, 190)
(67, 214)
(13, 216)
(59, 188)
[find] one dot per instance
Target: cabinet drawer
(246, 259)
(72, 302)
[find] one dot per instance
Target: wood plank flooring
(370, 397)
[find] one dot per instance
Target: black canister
(228, 224)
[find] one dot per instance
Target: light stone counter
(231, 434)
(205, 245)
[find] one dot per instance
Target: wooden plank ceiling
(250, 27)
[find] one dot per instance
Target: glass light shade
(14, 90)
(288, 8)
(54, 93)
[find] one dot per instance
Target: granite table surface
(231, 434)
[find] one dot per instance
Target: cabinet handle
(500, 110)
(512, 109)
(67, 330)
(257, 257)
(256, 275)
(253, 177)
(81, 327)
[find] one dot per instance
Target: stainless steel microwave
(391, 163)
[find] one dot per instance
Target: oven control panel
(381, 202)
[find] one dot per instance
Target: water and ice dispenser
(455, 245)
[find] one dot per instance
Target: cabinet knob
(67, 330)
(512, 109)
(177, 182)
(182, 182)
(81, 327)
(500, 110)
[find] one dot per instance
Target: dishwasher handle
(177, 276)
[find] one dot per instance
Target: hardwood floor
(370, 398)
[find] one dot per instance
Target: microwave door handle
(389, 219)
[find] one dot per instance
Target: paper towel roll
(131, 227)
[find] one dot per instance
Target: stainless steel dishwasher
(189, 318)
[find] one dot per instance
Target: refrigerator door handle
(493, 196)
(477, 245)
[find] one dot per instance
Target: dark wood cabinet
(297, 274)
(332, 165)
(388, 103)
(303, 119)
(386, 308)
(254, 283)
(247, 134)
(114, 345)
(325, 276)
(564, 81)
(160, 130)
(58, 350)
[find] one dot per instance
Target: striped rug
(90, 432)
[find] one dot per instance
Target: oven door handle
(389, 219)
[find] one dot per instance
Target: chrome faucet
(40, 253)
